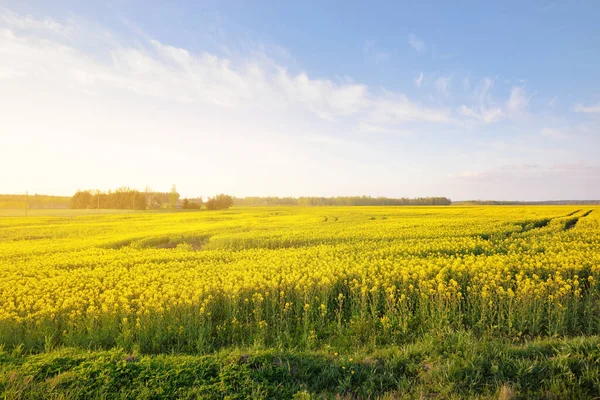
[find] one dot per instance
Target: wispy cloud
(593, 109)
(419, 79)
(46, 25)
(486, 115)
(392, 108)
(518, 100)
(242, 88)
(484, 108)
(416, 43)
(488, 110)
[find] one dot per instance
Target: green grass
(456, 365)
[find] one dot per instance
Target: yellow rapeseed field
(295, 276)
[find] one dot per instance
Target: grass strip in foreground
(454, 365)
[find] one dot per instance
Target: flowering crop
(294, 276)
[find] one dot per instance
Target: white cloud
(485, 109)
(518, 100)
(416, 44)
(594, 109)
(31, 24)
(419, 79)
(165, 72)
(392, 108)
(486, 115)
(9, 73)
(481, 92)
(323, 97)
(552, 101)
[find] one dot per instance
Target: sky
(468, 99)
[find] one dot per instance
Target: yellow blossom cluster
(294, 274)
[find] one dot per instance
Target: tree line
(341, 201)
(125, 198)
(132, 199)
(526, 203)
(219, 202)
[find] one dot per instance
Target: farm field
(354, 302)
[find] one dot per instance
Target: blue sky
(473, 100)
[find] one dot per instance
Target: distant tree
(173, 197)
(219, 202)
(81, 199)
(340, 201)
(154, 203)
(123, 198)
(139, 200)
(194, 204)
(211, 204)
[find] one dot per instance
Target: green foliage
(173, 197)
(219, 202)
(452, 365)
(123, 199)
(193, 204)
(340, 201)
